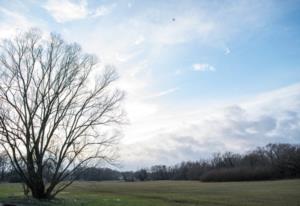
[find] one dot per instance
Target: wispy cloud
(102, 10)
(64, 11)
(163, 93)
(203, 67)
(13, 22)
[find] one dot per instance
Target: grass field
(168, 193)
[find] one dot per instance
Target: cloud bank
(271, 117)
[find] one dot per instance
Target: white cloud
(227, 50)
(64, 11)
(203, 67)
(103, 10)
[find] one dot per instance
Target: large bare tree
(54, 110)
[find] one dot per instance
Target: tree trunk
(38, 191)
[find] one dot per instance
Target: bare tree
(54, 110)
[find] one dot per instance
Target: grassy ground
(168, 193)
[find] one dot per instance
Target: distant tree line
(274, 161)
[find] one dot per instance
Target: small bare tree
(54, 110)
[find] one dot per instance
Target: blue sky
(200, 76)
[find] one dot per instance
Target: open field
(167, 193)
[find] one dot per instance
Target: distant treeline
(274, 161)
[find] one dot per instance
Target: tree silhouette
(54, 110)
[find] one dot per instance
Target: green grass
(168, 193)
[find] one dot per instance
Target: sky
(200, 76)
